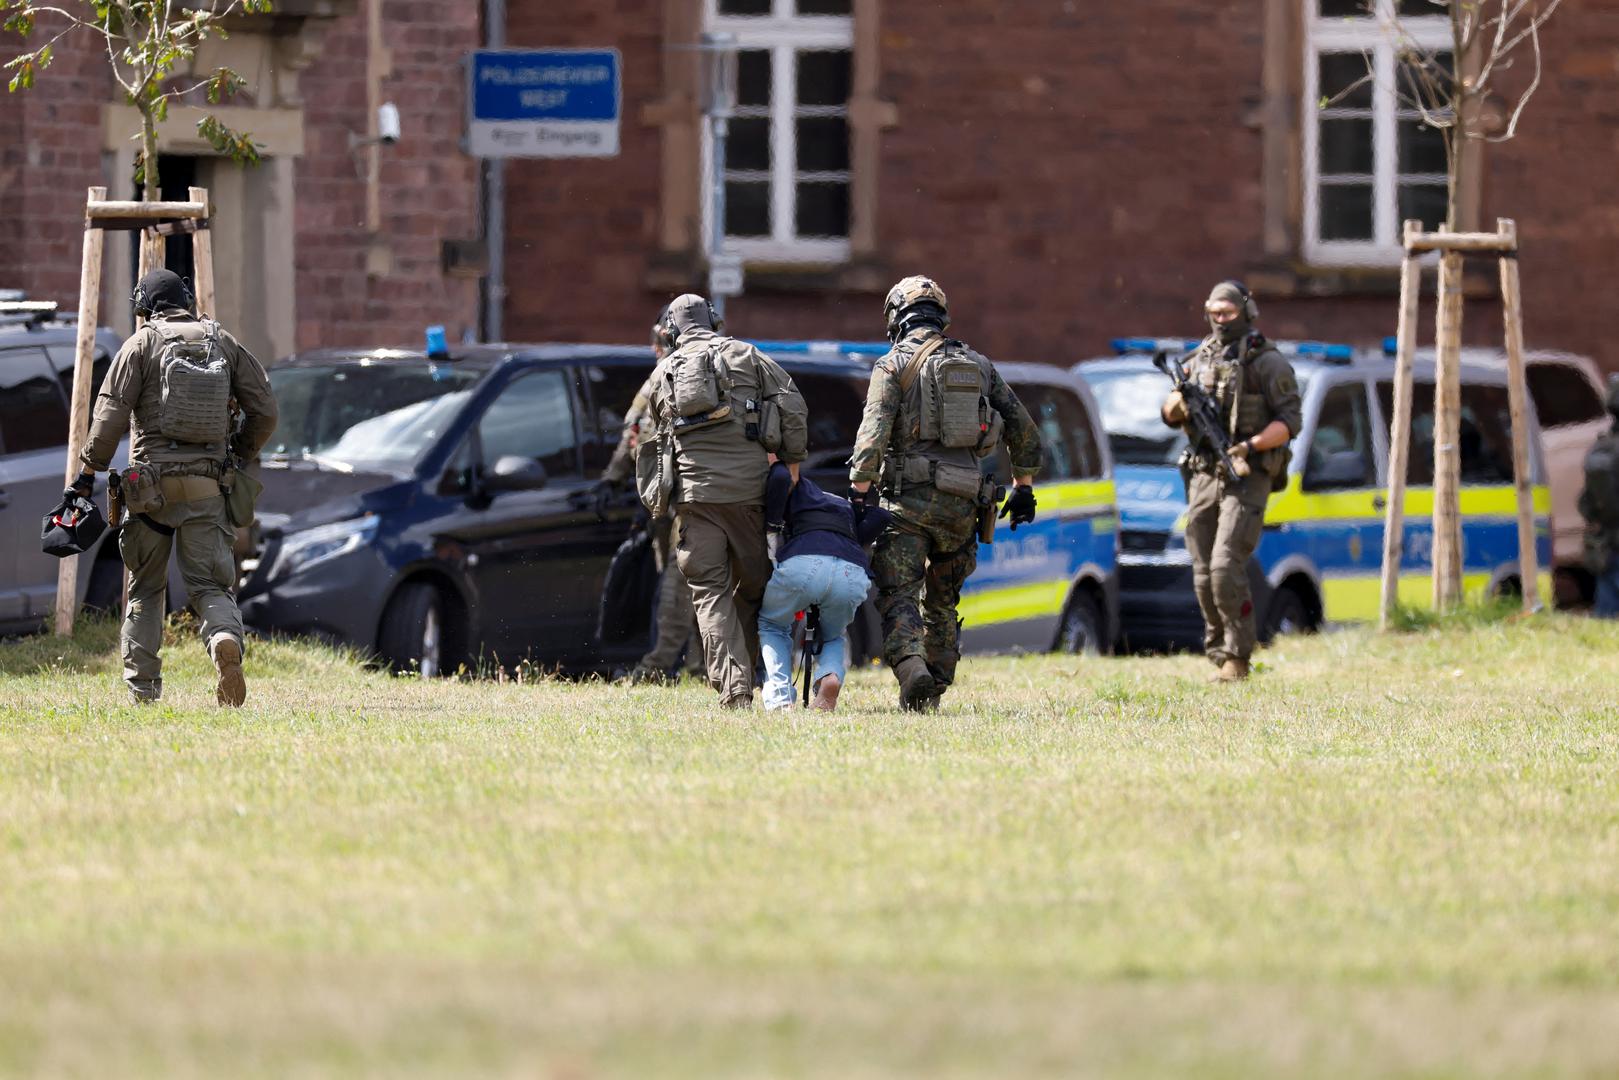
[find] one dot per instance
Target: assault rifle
(1202, 414)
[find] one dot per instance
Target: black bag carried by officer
(629, 591)
(73, 527)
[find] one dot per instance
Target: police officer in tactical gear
(676, 629)
(1258, 397)
(170, 389)
(1599, 506)
(934, 411)
(720, 407)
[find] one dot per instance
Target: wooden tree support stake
(154, 220)
(1447, 538)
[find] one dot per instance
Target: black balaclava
(162, 289)
(688, 312)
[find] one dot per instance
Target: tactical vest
(944, 415)
(190, 409)
(699, 387)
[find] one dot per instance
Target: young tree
(1459, 88)
(148, 43)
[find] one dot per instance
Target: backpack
(1602, 483)
(195, 406)
(954, 412)
(699, 393)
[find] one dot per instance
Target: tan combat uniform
(1253, 384)
(192, 519)
(927, 553)
(676, 628)
(718, 498)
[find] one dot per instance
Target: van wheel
(413, 631)
(1081, 631)
(1287, 614)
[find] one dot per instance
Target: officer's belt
(179, 489)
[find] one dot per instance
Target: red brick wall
(429, 186)
(49, 157)
(50, 153)
(1070, 172)
(580, 230)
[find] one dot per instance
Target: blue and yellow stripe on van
(1337, 539)
(1027, 575)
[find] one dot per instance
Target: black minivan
(407, 499)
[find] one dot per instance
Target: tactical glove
(1020, 505)
(863, 500)
(83, 485)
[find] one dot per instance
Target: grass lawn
(1383, 856)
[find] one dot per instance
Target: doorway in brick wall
(177, 175)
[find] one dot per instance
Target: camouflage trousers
(203, 538)
(1223, 523)
(921, 561)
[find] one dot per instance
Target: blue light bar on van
(1126, 345)
(1391, 345)
(1324, 350)
(823, 348)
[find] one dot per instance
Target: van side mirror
(1339, 469)
(514, 473)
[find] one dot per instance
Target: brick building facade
(1070, 170)
(308, 250)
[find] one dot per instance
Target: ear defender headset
(1250, 310)
(143, 304)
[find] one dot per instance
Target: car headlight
(302, 550)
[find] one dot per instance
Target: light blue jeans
(804, 581)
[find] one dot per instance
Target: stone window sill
(1296, 280)
(684, 271)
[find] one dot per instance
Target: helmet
(912, 300)
(72, 527)
(161, 289)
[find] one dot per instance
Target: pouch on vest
(143, 490)
(1280, 459)
(957, 480)
(195, 405)
(241, 490)
(697, 396)
(953, 404)
(655, 473)
(769, 426)
(993, 428)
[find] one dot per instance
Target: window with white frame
(787, 158)
(1370, 162)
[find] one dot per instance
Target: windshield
(1129, 401)
(376, 416)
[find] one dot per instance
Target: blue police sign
(544, 103)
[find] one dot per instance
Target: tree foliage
(151, 48)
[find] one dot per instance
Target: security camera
(387, 123)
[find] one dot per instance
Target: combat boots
(232, 686)
(1233, 670)
(917, 690)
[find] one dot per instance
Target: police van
(440, 509)
(1319, 559)
(1052, 584)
